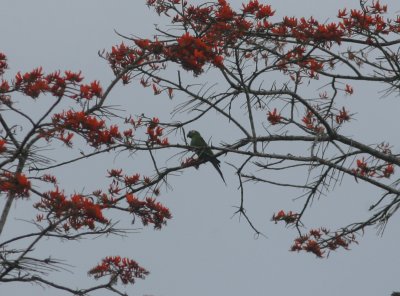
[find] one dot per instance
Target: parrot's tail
(216, 165)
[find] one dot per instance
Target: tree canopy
(281, 87)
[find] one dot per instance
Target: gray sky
(203, 250)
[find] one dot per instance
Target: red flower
(2, 145)
(388, 171)
(349, 90)
(224, 13)
(4, 86)
(165, 142)
(3, 63)
(288, 217)
(342, 116)
(73, 77)
(96, 88)
(114, 173)
(264, 11)
(313, 247)
(130, 180)
(156, 90)
(274, 117)
(15, 184)
(124, 269)
(342, 13)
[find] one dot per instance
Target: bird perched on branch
(204, 151)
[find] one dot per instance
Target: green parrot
(203, 151)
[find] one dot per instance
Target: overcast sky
(203, 250)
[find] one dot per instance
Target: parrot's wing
(198, 141)
(204, 151)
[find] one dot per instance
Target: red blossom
(318, 239)
(124, 269)
(49, 178)
(114, 173)
(342, 116)
(131, 180)
(31, 83)
(154, 131)
(3, 147)
(80, 211)
(274, 117)
(289, 217)
(156, 90)
(225, 12)
(349, 90)
(149, 211)
(388, 171)
(93, 129)
(164, 142)
(4, 86)
(15, 184)
(313, 247)
(311, 122)
(73, 77)
(142, 43)
(264, 11)
(189, 162)
(363, 169)
(3, 63)
(88, 91)
(342, 13)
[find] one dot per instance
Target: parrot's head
(193, 133)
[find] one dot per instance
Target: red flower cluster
(342, 116)
(124, 269)
(189, 162)
(378, 171)
(122, 56)
(131, 180)
(32, 83)
(90, 127)
(88, 91)
(4, 86)
(193, 53)
(308, 245)
(49, 178)
(3, 147)
(363, 169)
(219, 24)
(369, 19)
(312, 123)
(155, 132)
(148, 210)
(305, 30)
(35, 82)
(260, 11)
(318, 239)
(3, 63)
(16, 185)
(274, 117)
(388, 170)
(119, 177)
(349, 90)
(58, 84)
(289, 217)
(78, 211)
(295, 57)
